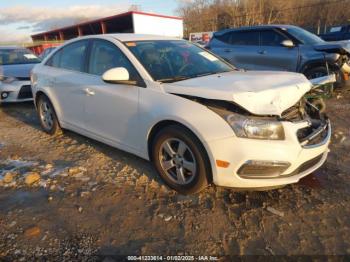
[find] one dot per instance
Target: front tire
(181, 160)
(47, 116)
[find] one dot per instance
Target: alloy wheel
(177, 161)
(46, 115)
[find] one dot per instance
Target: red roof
(108, 18)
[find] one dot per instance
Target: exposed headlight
(255, 128)
(7, 79)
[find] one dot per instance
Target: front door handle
(89, 92)
(227, 50)
(262, 52)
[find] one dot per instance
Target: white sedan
(197, 118)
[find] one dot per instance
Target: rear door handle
(89, 92)
(227, 50)
(262, 52)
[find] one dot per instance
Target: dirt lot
(70, 197)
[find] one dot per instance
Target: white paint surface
(261, 93)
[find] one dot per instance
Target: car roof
(255, 27)
(125, 37)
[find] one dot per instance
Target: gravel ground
(68, 197)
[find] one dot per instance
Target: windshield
(170, 61)
(304, 36)
(17, 56)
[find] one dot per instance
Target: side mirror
(287, 43)
(118, 75)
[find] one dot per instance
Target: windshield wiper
(173, 79)
(180, 78)
(206, 74)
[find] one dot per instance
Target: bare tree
(213, 15)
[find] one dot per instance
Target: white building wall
(155, 25)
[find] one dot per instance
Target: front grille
(309, 164)
(313, 135)
(317, 132)
(25, 92)
(305, 166)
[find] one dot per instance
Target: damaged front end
(322, 87)
(301, 133)
(341, 51)
(344, 63)
(314, 124)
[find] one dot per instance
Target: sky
(20, 18)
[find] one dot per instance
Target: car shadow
(26, 113)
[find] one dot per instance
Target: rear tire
(181, 160)
(47, 116)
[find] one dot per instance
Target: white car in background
(197, 118)
(15, 66)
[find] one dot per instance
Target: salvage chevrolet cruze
(197, 118)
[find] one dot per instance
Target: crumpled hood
(22, 70)
(341, 47)
(259, 92)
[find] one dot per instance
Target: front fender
(203, 122)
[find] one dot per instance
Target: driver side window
(271, 38)
(105, 55)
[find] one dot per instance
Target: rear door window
(224, 38)
(71, 57)
(244, 38)
(54, 61)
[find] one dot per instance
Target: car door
(111, 109)
(272, 55)
(239, 48)
(68, 79)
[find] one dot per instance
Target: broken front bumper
(302, 157)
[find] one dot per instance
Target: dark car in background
(282, 48)
(337, 33)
